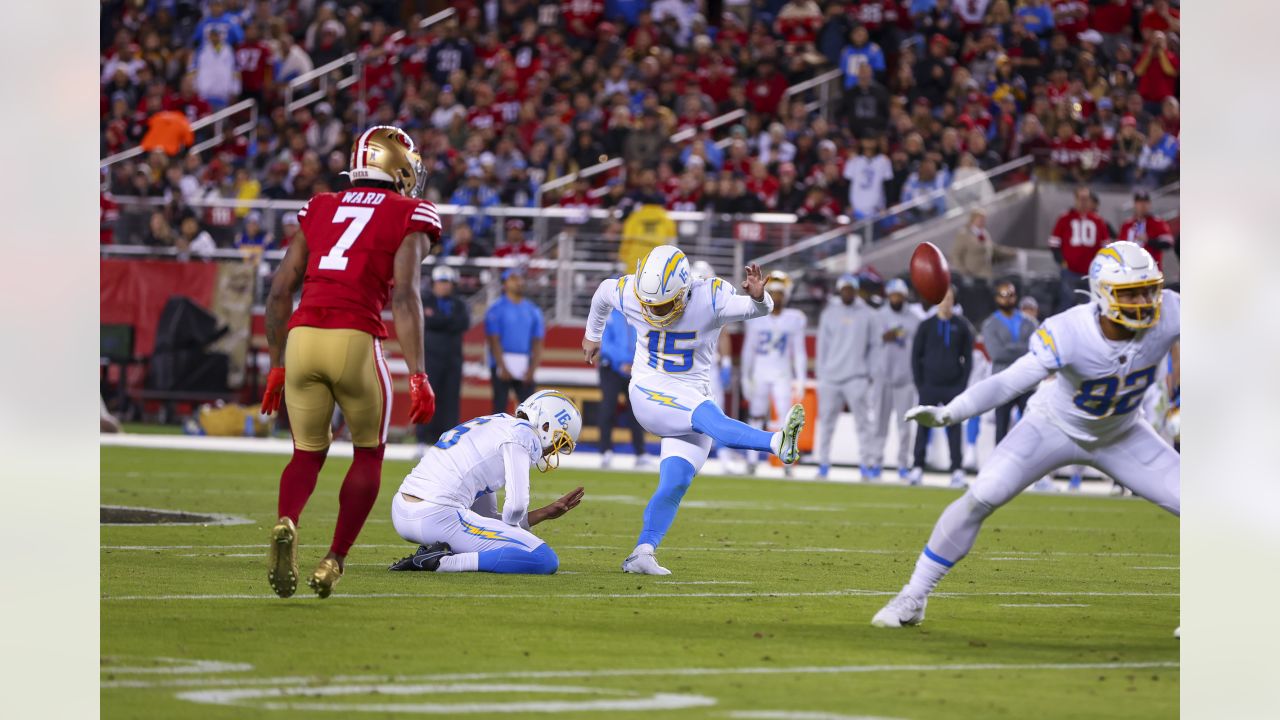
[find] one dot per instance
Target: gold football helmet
(387, 153)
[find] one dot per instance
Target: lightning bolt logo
(486, 533)
(662, 399)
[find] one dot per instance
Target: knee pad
(546, 562)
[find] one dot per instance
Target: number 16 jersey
(352, 239)
(1100, 383)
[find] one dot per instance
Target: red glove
(275, 389)
(422, 399)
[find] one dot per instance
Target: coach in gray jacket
(848, 330)
(895, 390)
(1006, 334)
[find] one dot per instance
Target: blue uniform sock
(675, 475)
(971, 430)
(711, 420)
(541, 560)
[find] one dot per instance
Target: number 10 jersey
(352, 238)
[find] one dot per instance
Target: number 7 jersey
(352, 238)
(1100, 383)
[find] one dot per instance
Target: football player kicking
(1105, 354)
(678, 320)
(360, 243)
(448, 503)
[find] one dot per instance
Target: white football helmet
(1124, 268)
(702, 269)
(780, 282)
(662, 285)
(556, 420)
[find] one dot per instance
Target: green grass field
(1065, 609)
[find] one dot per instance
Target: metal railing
(825, 84)
(218, 120)
(323, 74)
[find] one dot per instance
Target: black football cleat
(426, 557)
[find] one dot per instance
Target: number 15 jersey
(352, 239)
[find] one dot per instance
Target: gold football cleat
(326, 575)
(282, 558)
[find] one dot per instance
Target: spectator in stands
(865, 106)
(1158, 161)
(217, 79)
(159, 231)
(859, 52)
(867, 173)
(933, 73)
(461, 242)
(325, 131)
(617, 348)
(1125, 151)
(642, 143)
(220, 20)
(193, 241)
(515, 329)
(290, 231)
(924, 182)
(1077, 236)
(970, 185)
(766, 88)
(1157, 72)
(791, 195)
(446, 321)
(941, 360)
(292, 58)
(1006, 334)
(514, 245)
(833, 33)
(975, 252)
(254, 237)
(1064, 154)
(1146, 229)
(1159, 17)
(476, 194)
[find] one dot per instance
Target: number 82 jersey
(1100, 385)
(352, 238)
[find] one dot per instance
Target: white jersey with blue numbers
(477, 458)
(773, 347)
(1100, 384)
(683, 351)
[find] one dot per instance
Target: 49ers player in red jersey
(362, 245)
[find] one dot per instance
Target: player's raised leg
(1031, 449)
(682, 458)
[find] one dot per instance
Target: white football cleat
(643, 562)
(788, 451)
(903, 609)
(1177, 632)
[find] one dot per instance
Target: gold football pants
(327, 365)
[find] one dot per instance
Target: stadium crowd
(506, 96)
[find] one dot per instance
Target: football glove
(930, 415)
(422, 399)
(275, 389)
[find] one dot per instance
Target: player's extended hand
(275, 389)
(590, 350)
(753, 285)
(557, 508)
(930, 415)
(422, 399)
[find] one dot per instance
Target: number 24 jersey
(352, 239)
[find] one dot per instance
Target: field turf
(1064, 610)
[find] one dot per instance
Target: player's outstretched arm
(755, 303)
(406, 308)
(557, 508)
(1020, 377)
(602, 303)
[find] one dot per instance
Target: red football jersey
(1151, 228)
(1080, 236)
(352, 238)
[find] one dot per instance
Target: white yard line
(637, 595)
(1043, 605)
(799, 715)
(645, 672)
(1157, 567)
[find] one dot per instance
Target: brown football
(929, 273)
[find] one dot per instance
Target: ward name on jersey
(478, 458)
(775, 346)
(352, 238)
(684, 350)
